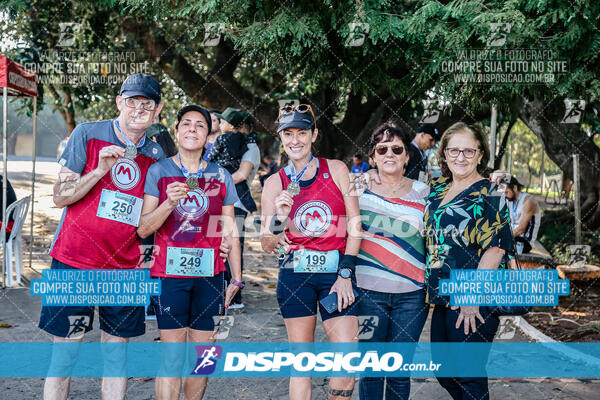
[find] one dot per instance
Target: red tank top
(317, 220)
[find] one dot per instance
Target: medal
(192, 182)
(130, 149)
(130, 152)
(191, 179)
(294, 186)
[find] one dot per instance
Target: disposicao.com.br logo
(322, 362)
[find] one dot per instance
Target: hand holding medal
(175, 192)
(283, 204)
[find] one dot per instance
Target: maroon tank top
(317, 220)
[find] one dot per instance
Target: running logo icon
(125, 174)
(194, 205)
(313, 218)
(207, 359)
(77, 326)
(498, 33)
(357, 33)
(367, 325)
(573, 111)
(431, 111)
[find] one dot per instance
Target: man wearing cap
(427, 135)
(159, 134)
(104, 164)
(236, 150)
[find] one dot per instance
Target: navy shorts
(71, 321)
(189, 302)
(299, 294)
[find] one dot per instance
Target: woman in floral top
(467, 227)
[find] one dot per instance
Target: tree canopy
(412, 51)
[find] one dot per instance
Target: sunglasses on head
(383, 149)
(300, 108)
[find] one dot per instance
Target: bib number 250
(120, 206)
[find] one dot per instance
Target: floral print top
(460, 231)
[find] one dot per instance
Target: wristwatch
(346, 266)
(237, 283)
(345, 272)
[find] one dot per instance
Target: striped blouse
(392, 251)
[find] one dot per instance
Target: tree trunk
(561, 141)
(503, 144)
(64, 105)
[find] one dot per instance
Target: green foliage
(556, 235)
(297, 49)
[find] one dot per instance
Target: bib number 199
(316, 259)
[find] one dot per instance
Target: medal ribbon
(296, 177)
(187, 173)
(129, 142)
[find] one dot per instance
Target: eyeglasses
(383, 149)
(300, 108)
(148, 105)
(453, 152)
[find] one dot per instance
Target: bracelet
(237, 283)
(276, 227)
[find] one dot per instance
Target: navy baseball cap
(141, 85)
(193, 107)
(295, 119)
(430, 129)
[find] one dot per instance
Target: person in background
(11, 197)
(268, 168)
(160, 135)
(214, 134)
(236, 150)
(525, 215)
(358, 165)
(427, 135)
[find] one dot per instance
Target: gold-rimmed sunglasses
(300, 108)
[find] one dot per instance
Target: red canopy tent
(15, 80)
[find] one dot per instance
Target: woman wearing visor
(188, 202)
(310, 207)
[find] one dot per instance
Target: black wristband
(276, 227)
(347, 261)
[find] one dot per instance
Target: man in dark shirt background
(427, 136)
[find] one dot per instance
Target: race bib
(120, 207)
(316, 261)
(185, 261)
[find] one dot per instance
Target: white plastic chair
(18, 210)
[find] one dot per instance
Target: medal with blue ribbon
(294, 186)
(191, 179)
(130, 150)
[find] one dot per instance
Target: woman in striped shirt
(390, 269)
